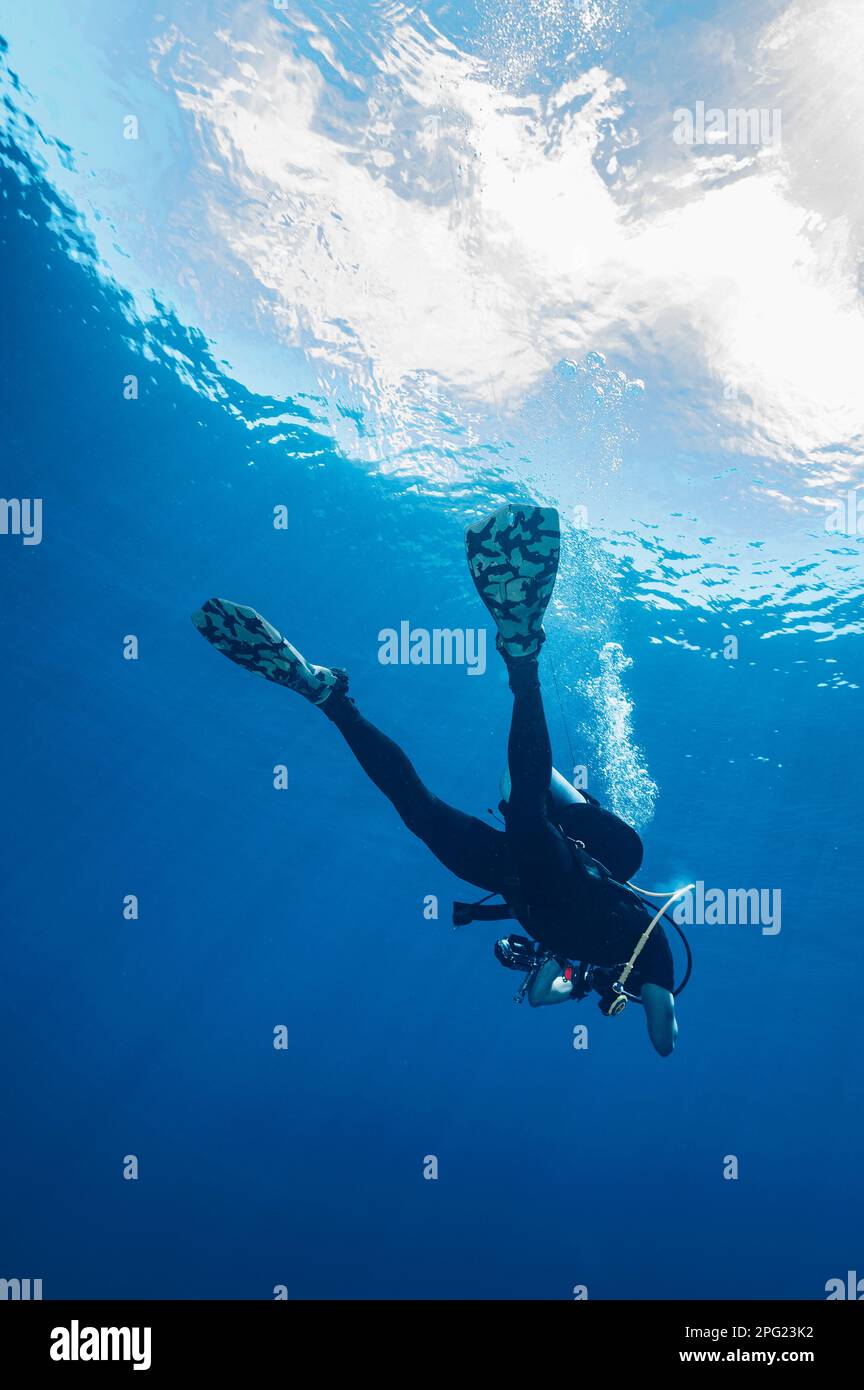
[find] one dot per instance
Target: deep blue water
(303, 907)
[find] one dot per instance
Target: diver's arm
(660, 1017)
(549, 985)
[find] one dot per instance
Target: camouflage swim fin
(245, 637)
(513, 559)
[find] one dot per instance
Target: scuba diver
(562, 863)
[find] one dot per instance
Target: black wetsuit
(563, 897)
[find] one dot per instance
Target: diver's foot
(513, 559)
(248, 639)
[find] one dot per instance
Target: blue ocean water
(304, 907)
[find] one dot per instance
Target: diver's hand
(659, 1008)
(549, 985)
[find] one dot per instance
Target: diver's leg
(466, 846)
(513, 561)
(529, 750)
(542, 855)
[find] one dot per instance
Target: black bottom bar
(170, 1338)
